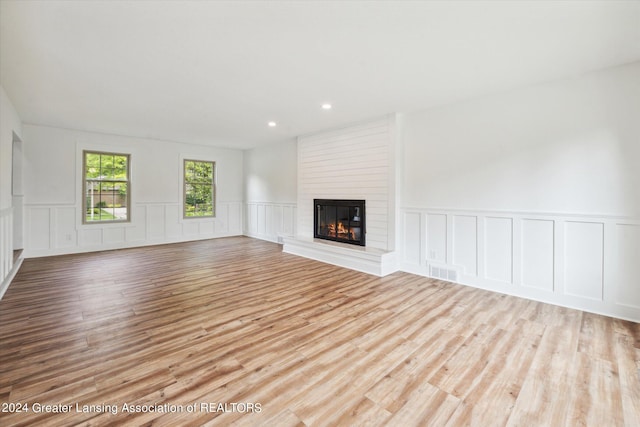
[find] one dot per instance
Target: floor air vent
(443, 273)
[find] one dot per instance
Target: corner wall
(271, 182)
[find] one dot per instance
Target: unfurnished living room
(319, 213)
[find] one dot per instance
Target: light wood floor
(236, 321)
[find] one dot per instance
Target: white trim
(7, 280)
(367, 260)
(81, 147)
(510, 213)
(197, 158)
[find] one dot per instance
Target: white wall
(533, 192)
(271, 173)
(10, 125)
(569, 146)
(53, 199)
(270, 177)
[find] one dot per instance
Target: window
(106, 187)
(199, 189)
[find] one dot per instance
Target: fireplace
(339, 220)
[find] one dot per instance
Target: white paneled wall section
(584, 262)
(270, 221)
(7, 268)
(53, 229)
(6, 242)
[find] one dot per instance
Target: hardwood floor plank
(236, 321)
(597, 387)
(544, 397)
(284, 418)
(629, 376)
(426, 406)
(363, 413)
(597, 338)
(396, 388)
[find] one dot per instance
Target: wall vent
(444, 273)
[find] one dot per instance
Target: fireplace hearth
(339, 220)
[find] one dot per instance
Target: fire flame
(341, 232)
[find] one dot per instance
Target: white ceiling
(216, 72)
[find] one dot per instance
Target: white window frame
(84, 187)
(184, 188)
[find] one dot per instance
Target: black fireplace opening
(339, 220)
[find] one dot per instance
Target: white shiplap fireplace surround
(353, 163)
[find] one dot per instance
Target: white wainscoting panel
(578, 261)
(221, 224)
(6, 248)
(270, 221)
(627, 265)
(18, 218)
(89, 237)
(113, 235)
(465, 243)
(138, 233)
(412, 239)
(252, 219)
(173, 223)
(233, 223)
(275, 216)
(38, 228)
(537, 254)
(154, 223)
(583, 257)
(191, 228)
(262, 219)
(65, 233)
(498, 248)
(208, 229)
(437, 238)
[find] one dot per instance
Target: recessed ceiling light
(272, 124)
(326, 106)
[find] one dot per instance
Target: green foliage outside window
(198, 189)
(106, 184)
